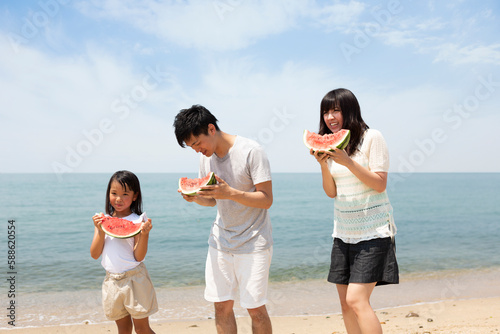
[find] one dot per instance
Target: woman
(363, 253)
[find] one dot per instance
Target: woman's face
(333, 119)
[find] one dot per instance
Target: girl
(127, 291)
(363, 253)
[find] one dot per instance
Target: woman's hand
(329, 185)
(321, 156)
(340, 157)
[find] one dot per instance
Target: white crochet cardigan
(361, 213)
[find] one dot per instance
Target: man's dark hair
(193, 122)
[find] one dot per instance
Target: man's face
(204, 143)
(201, 144)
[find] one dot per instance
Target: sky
(94, 86)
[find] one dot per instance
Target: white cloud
(143, 50)
(242, 87)
(52, 103)
(224, 25)
(271, 106)
(51, 99)
(411, 32)
(471, 54)
(430, 25)
(338, 16)
(208, 25)
(442, 39)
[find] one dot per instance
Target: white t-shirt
(240, 229)
(118, 254)
(360, 212)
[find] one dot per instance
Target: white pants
(225, 272)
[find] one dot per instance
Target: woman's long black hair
(351, 113)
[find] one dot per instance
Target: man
(240, 242)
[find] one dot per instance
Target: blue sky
(94, 86)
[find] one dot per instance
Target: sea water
(445, 221)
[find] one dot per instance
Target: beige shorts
(129, 293)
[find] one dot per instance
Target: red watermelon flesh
(317, 142)
(192, 186)
(119, 227)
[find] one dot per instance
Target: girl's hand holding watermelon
(146, 226)
(97, 218)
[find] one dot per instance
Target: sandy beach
(453, 316)
(451, 302)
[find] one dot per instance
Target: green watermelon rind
(210, 182)
(130, 235)
(342, 145)
(345, 142)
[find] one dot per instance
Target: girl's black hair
(193, 122)
(127, 180)
(351, 113)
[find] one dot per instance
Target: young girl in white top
(127, 291)
(363, 253)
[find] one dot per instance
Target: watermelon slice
(119, 227)
(191, 187)
(327, 142)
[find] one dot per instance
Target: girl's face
(121, 199)
(333, 119)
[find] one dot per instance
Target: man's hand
(221, 190)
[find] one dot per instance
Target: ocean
(445, 221)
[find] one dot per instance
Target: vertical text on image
(453, 118)
(11, 272)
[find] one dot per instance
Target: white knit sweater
(361, 213)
